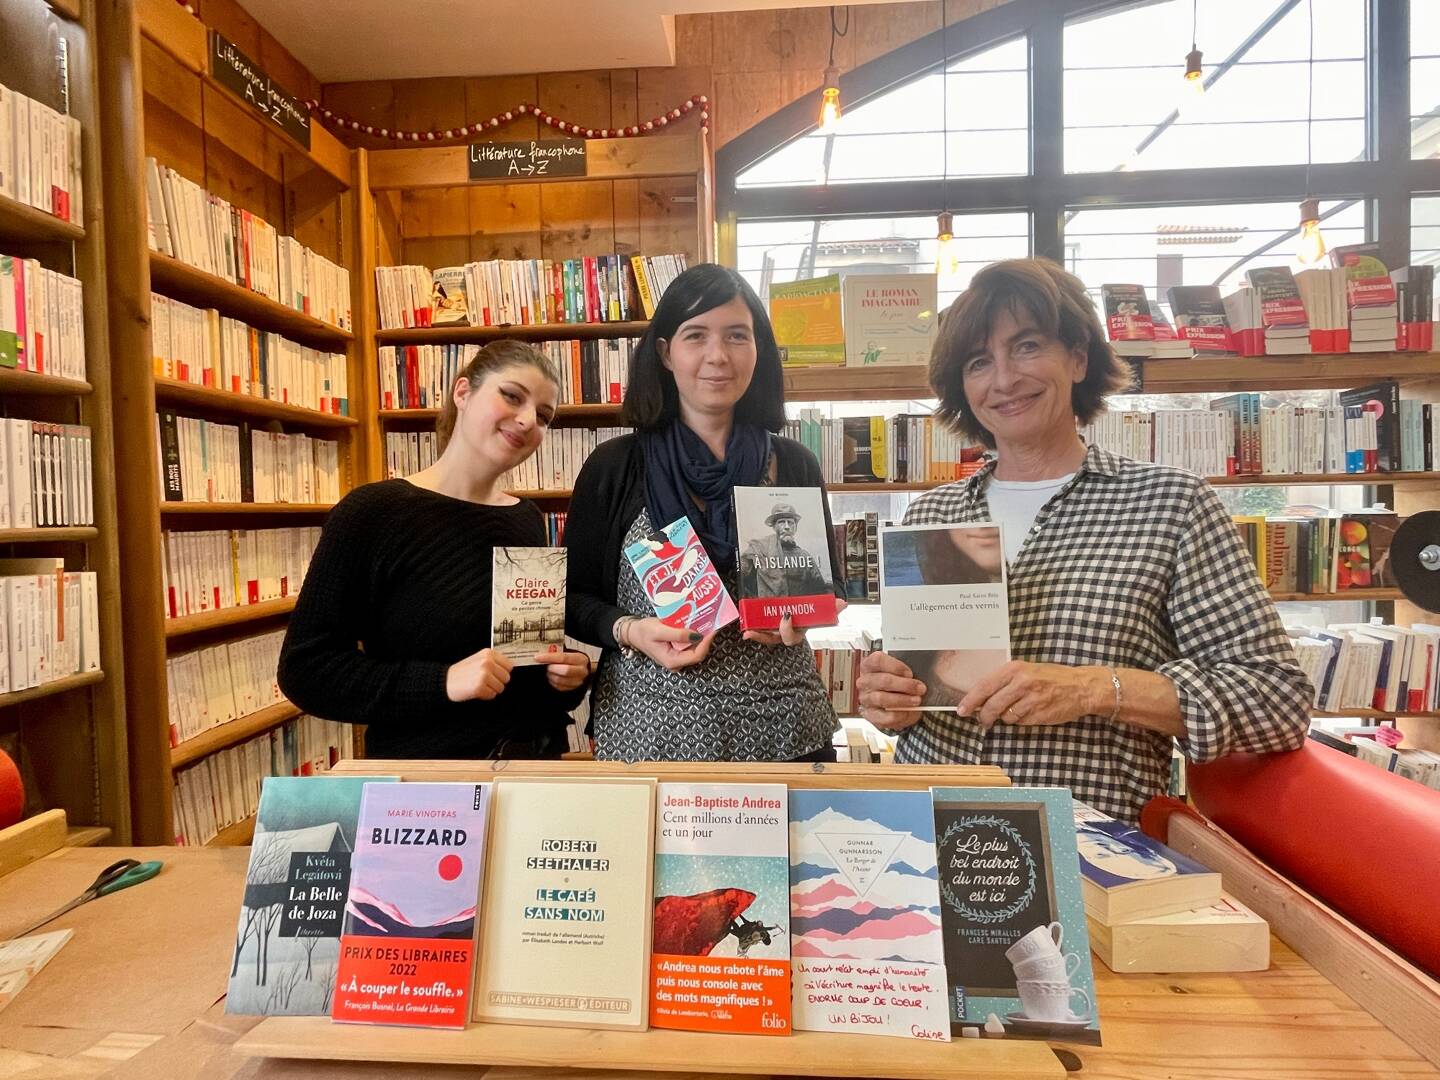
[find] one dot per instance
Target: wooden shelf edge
(37, 536)
(235, 616)
(1375, 595)
(184, 282)
(59, 686)
(238, 835)
(31, 382)
(224, 736)
(245, 508)
(175, 390)
(1376, 714)
(87, 835)
(21, 222)
(443, 335)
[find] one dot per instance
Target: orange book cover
(720, 955)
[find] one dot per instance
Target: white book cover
(943, 605)
(527, 611)
(22, 959)
(889, 318)
(7, 142)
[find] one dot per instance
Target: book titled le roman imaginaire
(288, 942)
(720, 953)
(784, 558)
(527, 609)
(1128, 876)
(407, 953)
(889, 318)
(869, 956)
(943, 605)
(675, 571)
(565, 924)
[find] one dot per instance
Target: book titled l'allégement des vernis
(527, 608)
(407, 954)
(675, 571)
(784, 558)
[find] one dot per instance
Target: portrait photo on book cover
(943, 605)
(784, 549)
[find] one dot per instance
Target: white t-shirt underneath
(1014, 504)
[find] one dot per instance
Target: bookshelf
(175, 112)
(70, 733)
(417, 206)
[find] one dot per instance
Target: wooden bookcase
(70, 733)
(645, 196)
(180, 115)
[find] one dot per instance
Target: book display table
(137, 993)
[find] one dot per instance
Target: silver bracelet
(618, 633)
(1119, 695)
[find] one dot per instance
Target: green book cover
(807, 323)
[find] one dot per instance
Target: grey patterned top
(743, 702)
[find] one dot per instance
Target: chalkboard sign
(527, 160)
(996, 886)
(235, 71)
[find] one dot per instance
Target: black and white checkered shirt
(1128, 565)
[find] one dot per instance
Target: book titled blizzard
(720, 947)
(943, 606)
(675, 571)
(527, 608)
(407, 954)
(865, 929)
(784, 558)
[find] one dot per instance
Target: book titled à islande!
(407, 951)
(784, 558)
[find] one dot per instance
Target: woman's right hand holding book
(480, 676)
(886, 685)
(672, 647)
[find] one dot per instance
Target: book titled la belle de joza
(407, 951)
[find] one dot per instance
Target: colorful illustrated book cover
(889, 318)
(408, 951)
(1114, 854)
(527, 608)
(675, 571)
(720, 952)
(807, 321)
(565, 926)
(868, 953)
(784, 558)
(944, 608)
(1017, 951)
(447, 297)
(287, 944)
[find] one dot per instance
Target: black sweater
(609, 494)
(400, 589)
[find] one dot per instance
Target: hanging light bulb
(830, 101)
(1194, 76)
(1312, 243)
(947, 251)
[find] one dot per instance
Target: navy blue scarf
(678, 465)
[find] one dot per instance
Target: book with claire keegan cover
(527, 610)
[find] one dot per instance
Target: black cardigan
(609, 494)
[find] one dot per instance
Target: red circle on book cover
(450, 867)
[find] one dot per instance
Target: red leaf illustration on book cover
(693, 925)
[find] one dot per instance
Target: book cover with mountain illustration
(720, 951)
(865, 914)
(408, 948)
(287, 944)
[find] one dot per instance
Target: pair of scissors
(116, 876)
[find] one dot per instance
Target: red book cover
(592, 290)
(784, 558)
(407, 948)
(675, 571)
(1127, 313)
(1367, 280)
(1280, 303)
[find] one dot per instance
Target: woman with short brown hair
(1136, 614)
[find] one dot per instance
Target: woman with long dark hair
(706, 398)
(392, 627)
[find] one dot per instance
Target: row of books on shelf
(204, 348)
(1313, 549)
(591, 372)
(46, 477)
(856, 542)
(212, 569)
(42, 319)
(1371, 665)
(49, 622)
(1357, 305)
(223, 789)
(557, 463)
(215, 685)
(205, 231)
(407, 452)
(525, 292)
(858, 741)
(910, 448)
(205, 461)
(40, 163)
(1379, 745)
